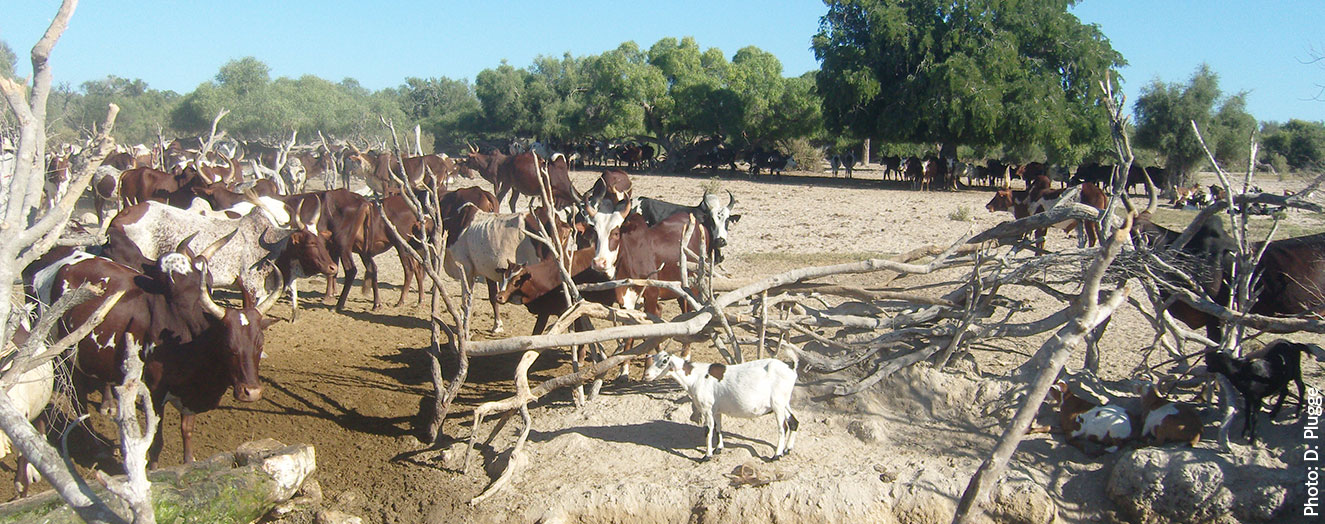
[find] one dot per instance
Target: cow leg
(541, 323)
(515, 195)
(407, 267)
(418, 279)
(107, 406)
(154, 450)
(186, 433)
(294, 299)
(492, 297)
(370, 279)
(350, 272)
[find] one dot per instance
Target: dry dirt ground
(351, 384)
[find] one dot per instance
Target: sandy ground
(351, 384)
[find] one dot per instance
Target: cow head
(530, 282)
(717, 216)
(605, 218)
(1002, 201)
(238, 339)
(306, 246)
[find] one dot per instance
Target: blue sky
(1253, 46)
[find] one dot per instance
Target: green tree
(261, 107)
(1300, 143)
(1232, 127)
(143, 111)
(1164, 116)
(445, 108)
(501, 93)
(1021, 73)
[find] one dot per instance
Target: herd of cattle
(183, 219)
(183, 229)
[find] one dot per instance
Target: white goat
(746, 390)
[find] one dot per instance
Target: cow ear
(268, 321)
(734, 219)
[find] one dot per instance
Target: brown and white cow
(1040, 199)
(193, 349)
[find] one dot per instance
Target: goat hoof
(705, 458)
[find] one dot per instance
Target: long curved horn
(731, 202)
(205, 297)
(184, 244)
(217, 245)
(270, 300)
(317, 214)
(296, 219)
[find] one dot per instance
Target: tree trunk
(865, 153)
(231, 487)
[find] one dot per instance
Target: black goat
(1261, 375)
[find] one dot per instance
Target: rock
(1022, 502)
(348, 498)
(867, 431)
(310, 493)
(88, 218)
(254, 452)
(1198, 485)
(331, 516)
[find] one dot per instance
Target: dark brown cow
(1009, 200)
(377, 240)
(892, 167)
(193, 349)
(342, 226)
(380, 180)
(614, 184)
(1290, 275)
(518, 175)
(1029, 172)
(538, 287)
(915, 171)
(144, 183)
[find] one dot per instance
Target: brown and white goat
(1083, 420)
(1167, 421)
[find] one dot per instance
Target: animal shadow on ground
(296, 400)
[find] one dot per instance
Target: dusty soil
(351, 384)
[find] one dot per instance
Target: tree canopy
(980, 73)
(1299, 143)
(1165, 111)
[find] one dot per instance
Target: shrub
(807, 157)
(962, 214)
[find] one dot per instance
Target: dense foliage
(1164, 116)
(1298, 144)
(1021, 73)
